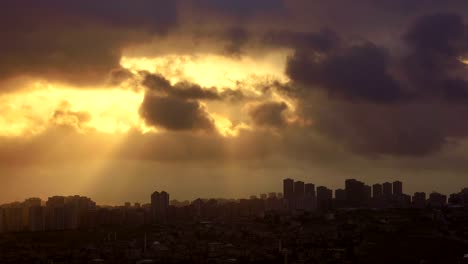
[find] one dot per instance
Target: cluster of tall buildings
(299, 195)
(73, 212)
(357, 194)
(58, 213)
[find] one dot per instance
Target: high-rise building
(340, 195)
(387, 189)
(288, 192)
(397, 188)
(36, 219)
(299, 193)
(367, 193)
(299, 189)
(28, 203)
(324, 198)
(2, 224)
(273, 202)
(340, 198)
(355, 193)
(159, 206)
(310, 189)
(377, 191)
(55, 213)
(288, 188)
(437, 200)
(75, 209)
(310, 197)
(464, 195)
(13, 217)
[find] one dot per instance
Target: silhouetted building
(340, 198)
(419, 200)
(340, 195)
(55, 213)
(377, 191)
(437, 200)
(13, 218)
(288, 192)
(2, 224)
(76, 208)
(30, 202)
(299, 193)
(299, 189)
(464, 195)
(397, 188)
(36, 219)
(324, 198)
(455, 199)
(355, 193)
(159, 206)
(273, 203)
(310, 197)
(387, 189)
(310, 189)
(367, 193)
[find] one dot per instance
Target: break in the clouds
(267, 81)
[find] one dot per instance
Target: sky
(115, 99)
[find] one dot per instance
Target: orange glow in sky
(115, 109)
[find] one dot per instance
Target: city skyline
(380, 189)
(223, 194)
(297, 197)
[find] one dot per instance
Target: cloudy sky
(224, 98)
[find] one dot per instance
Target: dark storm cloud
(399, 130)
(187, 90)
(78, 41)
(322, 41)
(269, 114)
(117, 76)
(194, 91)
(176, 107)
(376, 101)
(156, 82)
(241, 8)
(173, 113)
(444, 34)
(433, 67)
(237, 37)
(359, 72)
(153, 15)
(181, 90)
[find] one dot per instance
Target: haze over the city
(114, 99)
